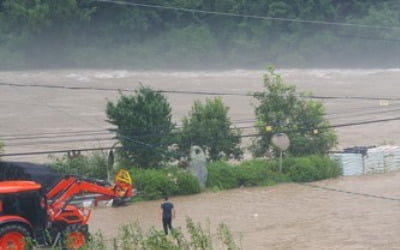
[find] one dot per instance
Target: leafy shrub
(93, 165)
(303, 170)
(221, 175)
(154, 184)
(328, 167)
(258, 172)
(187, 184)
(252, 173)
(311, 168)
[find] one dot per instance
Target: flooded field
(63, 110)
(287, 216)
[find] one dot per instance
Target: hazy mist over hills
(199, 34)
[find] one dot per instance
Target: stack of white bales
(382, 159)
(351, 163)
(377, 160)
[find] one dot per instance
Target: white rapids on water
(31, 117)
(286, 216)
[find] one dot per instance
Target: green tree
(209, 127)
(93, 165)
(42, 31)
(282, 109)
(71, 33)
(144, 127)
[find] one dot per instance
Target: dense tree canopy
(144, 127)
(282, 110)
(167, 34)
(208, 126)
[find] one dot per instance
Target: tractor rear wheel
(75, 236)
(14, 236)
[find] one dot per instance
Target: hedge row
(153, 184)
(311, 168)
(249, 173)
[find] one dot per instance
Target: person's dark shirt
(167, 209)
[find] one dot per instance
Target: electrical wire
(228, 14)
(54, 135)
(242, 136)
(58, 142)
(312, 32)
(207, 93)
(109, 131)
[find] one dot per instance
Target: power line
(58, 142)
(207, 93)
(243, 136)
(149, 136)
(68, 114)
(86, 133)
(281, 19)
(375, 107)
(53, 135)
(366, 113)
(54, 151)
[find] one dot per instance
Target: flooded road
(360, 213)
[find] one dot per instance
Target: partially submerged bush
(259, 172)
(221, 175)
(311, 168)
(154, 184)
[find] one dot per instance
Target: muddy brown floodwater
(346, 213)
(50, 112)
(65, 109)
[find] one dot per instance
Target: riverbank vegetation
(197, 34)
(155, 183)
(157, 153)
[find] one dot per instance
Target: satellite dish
(281, 140)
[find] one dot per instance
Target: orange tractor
(53, 217)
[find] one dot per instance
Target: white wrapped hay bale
(370, 160)
(351, 163)
(382, 159)
(374, 161)
(391, 157)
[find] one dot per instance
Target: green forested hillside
(199, 34)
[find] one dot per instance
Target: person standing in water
(167, 213)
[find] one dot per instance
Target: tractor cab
(23, 202)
